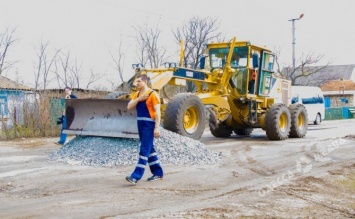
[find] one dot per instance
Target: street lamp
(294, 40)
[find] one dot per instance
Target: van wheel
(318, 120)
(299, 121)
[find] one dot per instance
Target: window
(218, 57)
(238, 80)
(3, 106)
(239, 57)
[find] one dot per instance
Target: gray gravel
(172, 148)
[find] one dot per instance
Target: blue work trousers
(63, 136)
(147, 153)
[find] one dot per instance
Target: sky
(90, 28)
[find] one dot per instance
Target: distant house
(341, 93)
(323, 74)
(13, 96)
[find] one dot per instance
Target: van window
(313, 100)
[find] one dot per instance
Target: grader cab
(235, 87)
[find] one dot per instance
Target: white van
(312, 98)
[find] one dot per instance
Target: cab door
(266, 73)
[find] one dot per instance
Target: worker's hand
(156, 132)
(143, 97)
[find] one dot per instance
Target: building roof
(8, 84)
(339, 85)
(345, 72)
(323, 74)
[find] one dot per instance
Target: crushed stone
(171, 147)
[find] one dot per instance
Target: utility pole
(294, 40)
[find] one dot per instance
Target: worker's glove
(60, 120)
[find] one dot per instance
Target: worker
(67, 95)
(147, 104)
(251, 84)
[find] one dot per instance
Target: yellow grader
(236, 90)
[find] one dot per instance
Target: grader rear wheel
(221, 131)
(218, 129)
(278, 122)
(299, 121)
(243, 132)
(185, 114)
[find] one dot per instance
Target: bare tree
(77, 74)
(113, 84)
(196, 33)
(62, 68)
(149, 51)
(307, 73)
(118, 58)
(44, 65)
(93, 78)
(7, 39)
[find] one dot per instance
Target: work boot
(155, 177)
(131, 180)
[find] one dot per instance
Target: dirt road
(312, 177)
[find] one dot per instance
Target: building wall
(339, 100)
(11, 106)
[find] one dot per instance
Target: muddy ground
(313, 177)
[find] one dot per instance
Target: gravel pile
(172, 148)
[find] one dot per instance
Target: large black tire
(299, 121)
(218, 130)
(243, 132)
(185, 114)
(318, 119)
(115, 95)
(278, 122)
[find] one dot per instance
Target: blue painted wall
(8, 100)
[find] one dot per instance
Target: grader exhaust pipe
(100, 117)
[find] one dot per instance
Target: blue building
(13, 96)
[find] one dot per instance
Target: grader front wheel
(185, 114)
(278, 122)
(191, 119)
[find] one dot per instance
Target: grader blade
(100, 117)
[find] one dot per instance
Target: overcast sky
(89, 28)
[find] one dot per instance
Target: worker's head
(67, 90)
(142, 81)
(252, 74)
